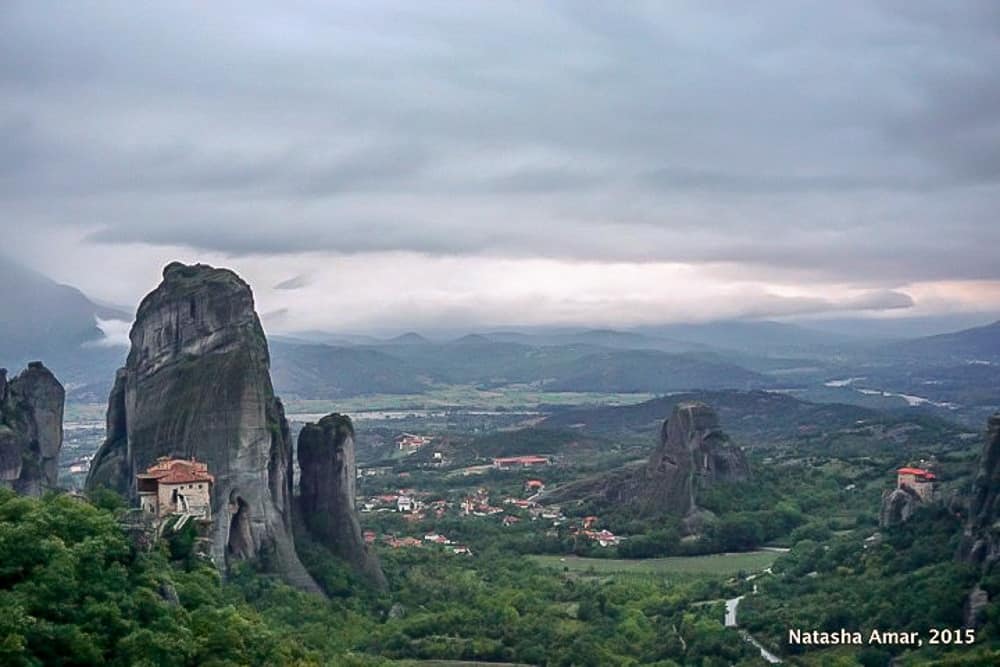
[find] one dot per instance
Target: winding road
(732, 605)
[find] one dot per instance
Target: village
(174, 491)
(517, 505)
(414, 506)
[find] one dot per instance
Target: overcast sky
(400, 165)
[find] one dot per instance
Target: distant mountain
(36, 310)
(768, 419)
(748, 336)
(472, 339)
(409, 338)
(649, 371)
(624, 340)
(975, 344)
(327, 371)
(41, 319)
(873, 328)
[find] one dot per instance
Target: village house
(508, 462)
(409, 442)
(918, 480)
(534, 486)
(404, 504)
(176, 486)
(403, 542)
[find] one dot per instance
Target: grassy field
(464, 396)
(721, 564)
(459, 396)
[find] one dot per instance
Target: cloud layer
(832, 155)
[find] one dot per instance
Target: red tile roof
(917, 472)
(177, 471)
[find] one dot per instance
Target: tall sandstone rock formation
(31, 430)
(693, 454)
(981, 541)
(327, 482)
(898, 505)
(197, 384)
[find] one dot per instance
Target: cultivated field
(719, 564)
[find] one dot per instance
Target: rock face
(898, 505)
(196, 384)
(693, 454)
(981, 541)
(327, 492)
(31, 430)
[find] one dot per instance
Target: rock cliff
(981, 540)
(327, 491)
(197, 384)
(693, 454)
(31, 430)
(898, 505)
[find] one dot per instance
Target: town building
(507, 462)
(410, 442)
(176, 486)
(918, 480)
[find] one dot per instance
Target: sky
(387, 166)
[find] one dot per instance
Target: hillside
(649, 371)
(326, 371)
(42, 319)
(409, 365)
(767, 419)
(968, 345)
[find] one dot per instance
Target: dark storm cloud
(854, 141)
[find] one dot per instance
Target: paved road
(731, 607)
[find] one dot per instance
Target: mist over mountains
(83, 342)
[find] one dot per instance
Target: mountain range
(42, 319)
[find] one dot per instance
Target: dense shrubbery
(71, 584)
(73, 590)
(908, 582)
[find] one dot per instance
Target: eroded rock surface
(197, 384)
(693, 454)
(31, 430)
(898, 505)
(327, 482)
(981, 540)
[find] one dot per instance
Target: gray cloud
(854, 142)
(294, 283)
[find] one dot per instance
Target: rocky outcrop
(327, 492)
(898, 505)
(693, 454)
(31, 430)
(197, 384)
(981, 539)
(974, 609)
